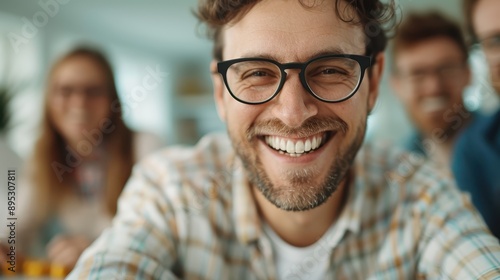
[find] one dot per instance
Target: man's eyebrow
(329, 51)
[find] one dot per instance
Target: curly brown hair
(418, 27)
(376, 17)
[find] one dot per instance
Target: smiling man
(287, 193)
(429, 75)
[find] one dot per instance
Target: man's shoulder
(212, 155)
(413, 143)
(209, 149)
(404, 176)
(476, 151)
(385, 163)
(479, 129)
(184, 178)
(144, 143)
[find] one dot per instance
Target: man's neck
(303, 228)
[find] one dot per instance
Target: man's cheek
(495, 75)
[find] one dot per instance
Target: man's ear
(375, 76)
(218, 85)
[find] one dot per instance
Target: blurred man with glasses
(287, 193)
(476, 158)
(429, 75)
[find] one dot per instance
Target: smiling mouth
(433, 104)
(297, 147)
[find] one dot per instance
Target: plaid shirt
(188, 213)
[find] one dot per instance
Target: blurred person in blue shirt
(429, 75)
(476, 158)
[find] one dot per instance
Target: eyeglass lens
(330, 79)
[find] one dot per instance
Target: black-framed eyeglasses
(448, 72)
(330, 78)
(491, 43)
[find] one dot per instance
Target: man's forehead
(283, 29)
(485, 18)
(434, 49)
(310, 54)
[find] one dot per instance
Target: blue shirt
(476, 166)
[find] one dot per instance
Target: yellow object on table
(36, 268)
(58, 271)
(33, 268)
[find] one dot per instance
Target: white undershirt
(292, 262)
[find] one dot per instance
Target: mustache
(79, 115)
(310, 127)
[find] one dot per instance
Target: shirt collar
(351, 214)
(366, 173)
(245, 215)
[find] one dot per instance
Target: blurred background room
(158, 38)
(153, 34)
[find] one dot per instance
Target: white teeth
(283, 145)
(299, 147)
(313, 143)
(290, 147)
(432, 104)
(275, 143)
(295, 155)
(308, 146)
(294, 148)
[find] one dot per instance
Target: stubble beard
(302, 193)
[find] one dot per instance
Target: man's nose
(294, 104)
(433, 84)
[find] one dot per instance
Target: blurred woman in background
(81, 161)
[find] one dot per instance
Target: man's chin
(295, 192)
(289, 200)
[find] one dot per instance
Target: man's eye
(492, 42)
(332, 71)
(328, 70)
(495, 41)
(257, 74)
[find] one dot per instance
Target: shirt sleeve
(140, 244)
(456, 242)
(145, 144)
